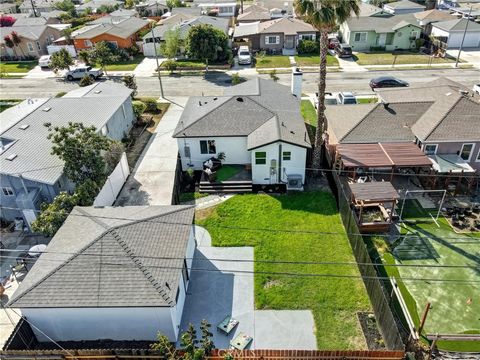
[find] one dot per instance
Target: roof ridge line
(68, 260)
(442, 118)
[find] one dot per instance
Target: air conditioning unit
(294, 182)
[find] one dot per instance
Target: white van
(244, 56)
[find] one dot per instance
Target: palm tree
(17, 41)
(324, 16)
(9, 43)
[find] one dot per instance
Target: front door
(289, 42)
(382, 39)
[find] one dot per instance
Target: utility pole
(33, 8)
(463, 38)
(158, 65)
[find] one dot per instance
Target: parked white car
(80, 71)
(341, 98)
(44, 61)
(476, 89)
(244, 56)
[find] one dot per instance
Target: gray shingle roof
(404, 4)
(29, 32)
(185, 25)
(262, 110)
(122, 28)
(34, 160)
(381, 24)
(124, 257)
(457, 25)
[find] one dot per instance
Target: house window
(430, 149)
(30, 47)
(114, 44)
(208, 147)
(7, 191)
(287, 155)
(272, 40)
(87, 43)
(360, 37)
(52, 38)
(414, 34)
(38, 45)
(260, 158)
(307, 37)
(466, 152)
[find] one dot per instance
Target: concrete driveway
(38, 73)
(471, 55)
(147, 67)
(219, 287)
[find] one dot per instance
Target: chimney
(296, 86)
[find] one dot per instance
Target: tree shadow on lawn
(319, 202)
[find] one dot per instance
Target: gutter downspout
(279, 163)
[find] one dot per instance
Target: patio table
(227, 324)
(241, 341)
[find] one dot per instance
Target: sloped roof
(122, 28)
(34, 159)
(285, 25)
(253, 13)
(259, 109)
(433, 15)
(457, 25)
(184, 26)
(404, 4)
(367, 9)
(28, 32)
(111, 257)
(176, 19)
(39, 20)
(381, 24)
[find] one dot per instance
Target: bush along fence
(377, 292)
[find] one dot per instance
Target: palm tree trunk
(321, 121)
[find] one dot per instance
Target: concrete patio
(223, 287)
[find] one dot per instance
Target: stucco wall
(121, 121)
(453, 148)
(76, 324)
(261, 174)
(235, 149)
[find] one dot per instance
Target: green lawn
(387, 58)
(226, 172)
(428, 244)
(17, 66)
(128, 65)
(308, 112)
(367, 100)
(333, 301)
(190, 196)
(314, 60)
(273, 61)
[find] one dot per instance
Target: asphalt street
(214, 83)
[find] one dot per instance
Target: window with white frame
(30, 47)
(310, 37)
(414, 34)
(466, 152)
(360, 37)
(208, 147)
(272, 40)
(7, 191)
(87, 43)
(430, 149)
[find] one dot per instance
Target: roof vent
(283, 124)
(215, 98)
(448, 94)
(24, 126)
(463, 92)
(239, 99)
(97, 91)
(292, 132)
(47, 109)
(11, 157)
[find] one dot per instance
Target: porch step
(225, 187)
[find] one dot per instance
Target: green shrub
(170, 65)
(151, 105)
(308, 47)
(138, 108)
(377, 48)
(86, 80)
(236, 79)
(60, 94)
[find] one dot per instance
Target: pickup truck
(80, 71)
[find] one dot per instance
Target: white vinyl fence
(114, 183)
(54, 48)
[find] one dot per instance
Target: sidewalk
(152, 180)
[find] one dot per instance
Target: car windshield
(330, 101)
(244, 53)
(349, 101)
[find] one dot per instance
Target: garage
(453, 30)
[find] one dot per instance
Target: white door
(29, 216)
(382, 39)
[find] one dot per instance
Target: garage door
(472, 39)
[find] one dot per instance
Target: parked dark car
(333, 42)
(343, 50)
(387, 81)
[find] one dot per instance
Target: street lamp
(156, 59)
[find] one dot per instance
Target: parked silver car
(80, 71)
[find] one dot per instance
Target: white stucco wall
(235, 149)
(261, 173)
(472, 38)
(76, 324)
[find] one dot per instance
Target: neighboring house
(34, 39)
(253, 13)
(40, 6)
(279, 35)
(123, 33)
(8, 8)
(427, 18)
(441, 117)
(152, 8)
(183, 28)
(29, 173)
(451, 33)
(257, 124)
(113, 273)
(369, 10)
(278, 8)
(124, 13)
(93, 5)
(36, 21)
(391, 33)
(177, 18)
(403, 7)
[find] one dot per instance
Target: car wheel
(92, 77)
(70, 78)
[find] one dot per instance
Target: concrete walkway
(147, 67)
(152, 180)
(349, 65)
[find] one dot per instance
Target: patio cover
(373, 191)
(450, 163)
(382, 155)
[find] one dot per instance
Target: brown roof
(382, 155)
(433, 15)
(373, 191)
(287, 26)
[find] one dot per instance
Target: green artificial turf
(226, 172)
(272, 61)
(334, 301)
(128, 65)
(314, 60)
(17, 66)
(308, 112)
(190, 196)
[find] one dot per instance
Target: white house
(451, 33)
(256, 124)
(118, 273)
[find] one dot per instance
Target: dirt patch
(203, 214)
(370, 330)
(271, 283)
